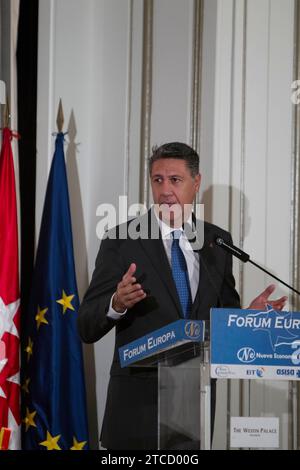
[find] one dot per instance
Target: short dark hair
(177, 150)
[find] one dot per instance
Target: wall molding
(196, 75)
(128, 97)
(295, 216)
(146, 100)
(295, 203)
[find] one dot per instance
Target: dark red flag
(9, 297)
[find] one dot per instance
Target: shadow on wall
(236, 198)
(80, 252)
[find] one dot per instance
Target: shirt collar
(166, 230)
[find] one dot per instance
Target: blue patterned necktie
(181, 275)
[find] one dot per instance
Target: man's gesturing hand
(128, 291)
(261, 301)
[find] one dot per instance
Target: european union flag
(54, 404)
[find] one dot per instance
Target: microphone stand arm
(275, 277)
(238, 253)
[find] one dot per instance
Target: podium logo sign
(193, 330)
(246, 355)
(250, 344)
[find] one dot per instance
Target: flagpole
(6, 114)
(3, 101)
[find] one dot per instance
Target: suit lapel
(208, 275)
(156, 253)
(204, 282)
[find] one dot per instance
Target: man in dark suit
(134, 288)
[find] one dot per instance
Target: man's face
(173, 189)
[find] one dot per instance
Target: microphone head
(219, 241)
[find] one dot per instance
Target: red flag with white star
(9, 298)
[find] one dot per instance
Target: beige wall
(92, 55)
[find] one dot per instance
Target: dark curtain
(27, 109)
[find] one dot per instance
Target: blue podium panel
(166, 338)
(263, 346)
(252, 344)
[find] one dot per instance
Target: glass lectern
(184, 396)
(248, 414)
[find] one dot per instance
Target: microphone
(233, 250)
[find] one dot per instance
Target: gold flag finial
(60, 117)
